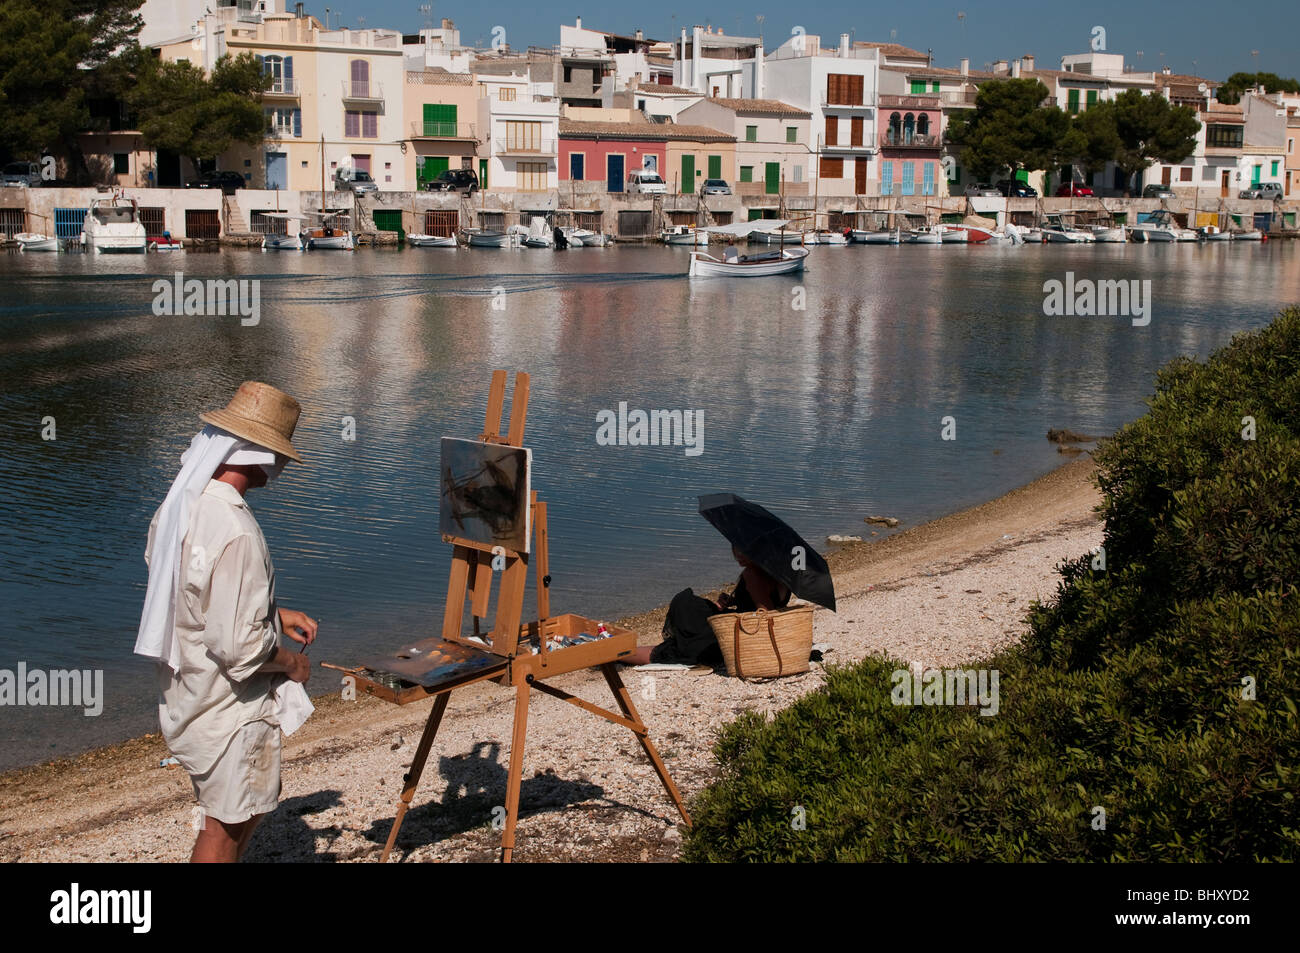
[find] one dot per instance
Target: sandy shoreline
(947, 591)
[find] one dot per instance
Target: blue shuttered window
(297, 123)
(887, 177)
(909, 178)
(927, 179)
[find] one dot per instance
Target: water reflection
(824, 414)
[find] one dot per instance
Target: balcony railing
(916, 141)
(510, 147)
(827, 104)
(282, 87)
(844, 144)
(363, 92)
(442, 130)
(958, 97)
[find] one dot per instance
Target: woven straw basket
(764, 644)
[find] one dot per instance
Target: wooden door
(1223, 186)
(1166, 175)
(860, 176)
(772, 178)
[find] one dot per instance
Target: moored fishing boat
(420, 240)
(888, 237)
(925, 235)
(35, 241)
(684, 235)
(782, 261)
(1109, 233)
(486, 238)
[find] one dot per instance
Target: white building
(839, 88)
(519, 129)
(719, 65)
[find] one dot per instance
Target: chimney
(719, 31)
(965, 66)
(999, 66)
(447, 24)
(1015, 69)
(640, 35)
(844, 45)
(1027, 62)
(297, 11)
(578, 24)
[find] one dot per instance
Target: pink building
(609, 151)
(910, 144)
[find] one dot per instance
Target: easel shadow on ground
(285, 837)
(475, 798)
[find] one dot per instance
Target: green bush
(1127, 692)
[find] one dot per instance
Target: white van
(647, 182)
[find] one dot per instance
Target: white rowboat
(783, 262)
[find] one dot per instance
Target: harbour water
(825, 414)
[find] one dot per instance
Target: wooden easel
(514, 663)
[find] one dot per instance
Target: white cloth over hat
(210, 448)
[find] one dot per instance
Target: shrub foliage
(1131, 692)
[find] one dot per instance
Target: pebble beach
(946, 592)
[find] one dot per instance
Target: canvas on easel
(495, 521)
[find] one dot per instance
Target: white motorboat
(925, 235)
(1212, 233)
(35, 241)
(889, 237)
(166, 243)
(952, 235)
(486, 238)
(684, 235)
(783, 261)
(824, 237)
(431, 241)
(1160, 227)
(588, 239)
(1109, 233)
(281, 243)
(1252, 235)
(113, 226)
(538, 234)
(1057, 231)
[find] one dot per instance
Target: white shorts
(245, 781)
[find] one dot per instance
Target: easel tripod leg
(516, 771)
(624, 699)
(417, 768)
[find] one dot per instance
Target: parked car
(1073, 188)
(21, 174)
(647, 182)
(355, 181)
(981, 190)
(715, 187)
(453, 180)
(226, 181)
(1263, 190)
(1157, 191)
(1015, 189)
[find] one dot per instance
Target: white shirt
(227, 627)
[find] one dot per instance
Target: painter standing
(210, 621)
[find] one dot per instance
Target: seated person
(688, 638)
(731, 253)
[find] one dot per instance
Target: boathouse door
(277, 170)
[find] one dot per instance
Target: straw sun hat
(259, 413)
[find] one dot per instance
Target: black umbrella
(770, 543)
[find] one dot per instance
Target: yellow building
(696, 153)
(336, 92)
(440, 109)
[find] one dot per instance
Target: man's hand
(298, 626)
(298, 669)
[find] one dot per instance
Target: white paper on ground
(663, 667)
